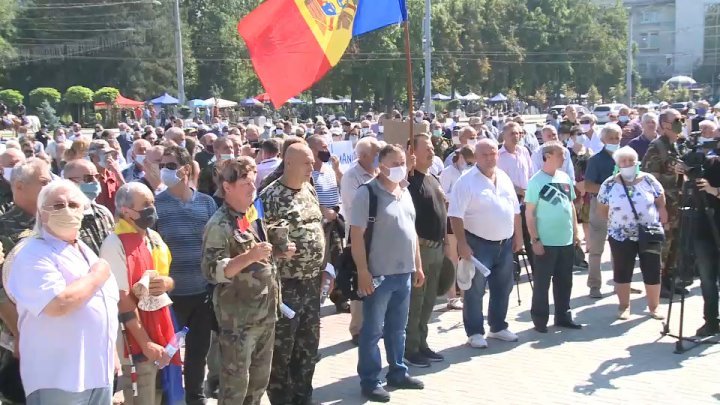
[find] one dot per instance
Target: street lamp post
(179, 54)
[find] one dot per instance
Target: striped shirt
(181, 225)
(326, 187)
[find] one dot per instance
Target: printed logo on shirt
(554, 193)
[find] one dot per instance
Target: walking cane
(133, 372)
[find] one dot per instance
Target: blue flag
(375, 14)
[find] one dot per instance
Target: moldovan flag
(294, 43)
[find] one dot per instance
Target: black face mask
(148, 217)
(324, 156)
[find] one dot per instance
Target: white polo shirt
(488, 210)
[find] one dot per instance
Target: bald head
(468, 135)
(11, 157)
(298, 163)
(175, 134)
(77, 169)
(486, 154)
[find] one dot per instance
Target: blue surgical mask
(612, 147)
(624, 118)
(701, 111)
(376, 162)
(91, 190)
(182, 144)
(169, 177)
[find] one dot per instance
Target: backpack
(346, 270)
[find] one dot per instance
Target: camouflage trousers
(296, 344)
(245, 359)
(669, 250)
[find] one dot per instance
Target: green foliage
(593, 95)
(41, 94)
(106, 95)
(46, 114)
(664, 93)
(643, 95)
(681, 94)
(12, 98)
(78, 95)
(618, 93)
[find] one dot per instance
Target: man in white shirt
(491, 239)
(364, 170)
(587, 126)
(514, 159)
(269, 159)
(549, 133)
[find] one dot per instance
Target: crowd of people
(116, 240)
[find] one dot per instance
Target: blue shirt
(181, 225)
(640, 144)
(553, 199)
(600, 167)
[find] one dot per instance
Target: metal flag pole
(408, 65)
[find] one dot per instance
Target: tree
(12, 98)
(78, 96)
(40, 94)
(664, 93)
(46, 114)
(643, 95)
(106, 95)
(681, 94)
(569, 91)
(617, 93)
(593, 95)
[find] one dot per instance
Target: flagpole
(408, 65)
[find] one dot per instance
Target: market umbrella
(680, 81)
(220, 103)
(498, 98)
(326, 100)
(120, 102)
(165, 99)
(471, 97)
(250, 102)
(295, 101)
(441, 97)
(263, 98)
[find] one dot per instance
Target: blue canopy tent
(499, 98)
(251, 102)
(165, 99)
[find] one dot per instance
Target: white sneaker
(455, 303)
(504, 334)
(477, 341)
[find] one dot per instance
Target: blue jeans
(385, 313)
(498, 257)
(51, 396)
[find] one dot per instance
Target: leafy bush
(46, 114)
(11, 98)
(78, 95)
(49, 94)
(106, 95)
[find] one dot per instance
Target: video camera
(694, 154)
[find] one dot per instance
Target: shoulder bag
(347, 275)
(650, 237)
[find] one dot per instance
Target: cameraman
(706, 248)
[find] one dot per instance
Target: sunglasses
(86, 178)
(586, 122)
(59, 206)
(169, 166)
(679, 120)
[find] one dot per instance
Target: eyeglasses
(679, 120)
(62, 205)
(586, 122)
(169, 166)
(86, 178)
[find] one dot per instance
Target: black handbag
(11, 388)
(650, 237)
(346, 271)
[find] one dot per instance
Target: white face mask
(472, 141)
(169, 177)
(139, 159)
(612, 147)
(60, 139)
(628, 173)
(397, 174)
(702, 140)
(456, 140)
(585, 128)
(7, 172)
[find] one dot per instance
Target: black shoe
(355, 340)
(407, 383)
(416, 360)
(377, 395)
(709, 329)
(431, 355)
(665, 292)
(568, 323)
(212, 388)
(680, 290)
(540, 328)
(342, 308)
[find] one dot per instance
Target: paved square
(609, 361)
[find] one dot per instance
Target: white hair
(609, 129)
(625, 152)
(126, 193)
(551, 129)
(23, 171)
(51, 190)
(708, 124)
(365, 145)
(486, 141)
(649, 116)
(590, 117)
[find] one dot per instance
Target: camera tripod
(694, 206)
(517, 272)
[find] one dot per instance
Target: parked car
(681, 105)
(560, 109)
(603, 111)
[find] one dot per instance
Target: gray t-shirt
(392, 250)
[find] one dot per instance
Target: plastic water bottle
(173, 346)
(330, 270)
(287, 311)
(376, 281)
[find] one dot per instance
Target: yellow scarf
(159, 250)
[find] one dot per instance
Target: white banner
(345, 152)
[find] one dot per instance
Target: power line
(84, 5)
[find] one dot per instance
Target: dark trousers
(555, 265)
(708, 261)
(195, 312)
(296, 344)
